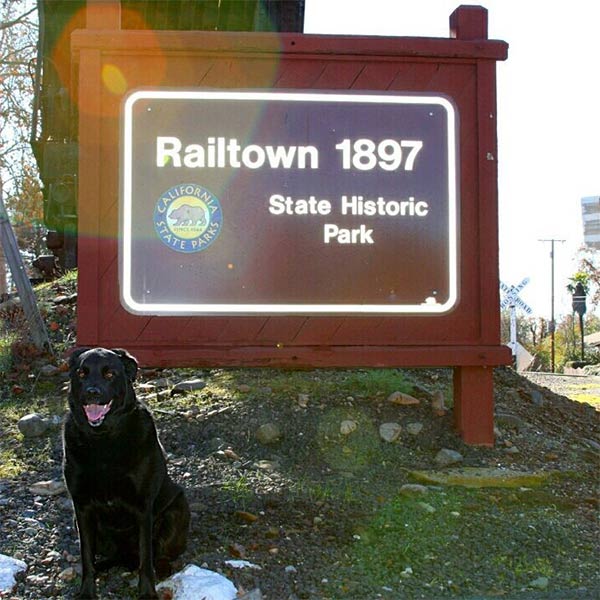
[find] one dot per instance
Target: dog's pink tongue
(95, 412)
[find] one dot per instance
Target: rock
(244, 388)
(389, 432)
(508, 421)
(446, 457)
(49, 371)
(54, 487)
(255, 594)
(483, 477)
(303, 400)
(348, 426)
(68, 574)
(269, 433)
(59, 300)
(402, 399)
(541, 583)
(414, 428)
(267, 465)
(9, 568)
(33, 425)
(426, 507)
(291, 569)
(438, 404)
(189, 385)
(242, 564)
(193, 583)
(413, 489)
(537, 398)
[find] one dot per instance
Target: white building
(590, 214)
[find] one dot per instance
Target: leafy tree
(18, 55)
(589, 265)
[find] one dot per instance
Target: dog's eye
(80, 373)
(109, 375)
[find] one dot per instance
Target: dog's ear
(129, 362)
(74, 358)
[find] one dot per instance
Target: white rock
(9, 567)
(194, 583)
(242, 564)
(414, 428)
(348, 426)
(446, 457)
(53, 487)
(389, 432)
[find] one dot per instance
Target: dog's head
(101, 384)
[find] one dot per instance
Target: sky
(548, 120)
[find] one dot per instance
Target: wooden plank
(322, 46)
(320, 356)
(474, 404)
(488, 202)
(90, 186)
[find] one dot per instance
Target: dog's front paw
(146, 591)
(87, 591)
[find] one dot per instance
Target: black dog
(128, 511)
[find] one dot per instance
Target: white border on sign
(126, 219)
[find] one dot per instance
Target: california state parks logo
(188, 218)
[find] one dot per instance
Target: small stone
(53, 487)
(242, 564)
(389, 432)
(189, 385)
(402, 399)
(269, 433)
(438, 403)
(426, 507)
(446, 457)
(303, 400)
(508, 421)
(254, 594)
(406, 573)
(267, 465)
(33, 425)
(49, 371)
(512, 450)
(413, 489)
(68, 574)
(541, 583)
(243, 388)
(291, 569)
(537, 398)
(414, 428)
(348, 426)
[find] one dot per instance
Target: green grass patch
(10, 464)
(430, 539)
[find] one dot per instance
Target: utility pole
(552, 322)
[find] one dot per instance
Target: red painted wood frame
(462, 67)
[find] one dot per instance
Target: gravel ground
(320, 512)
(323, 513)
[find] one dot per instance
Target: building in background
(590, 214)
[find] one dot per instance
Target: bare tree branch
(19, 19)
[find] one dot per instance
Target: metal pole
(37, 328)
(552, 323)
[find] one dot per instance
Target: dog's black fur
(128, 510)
